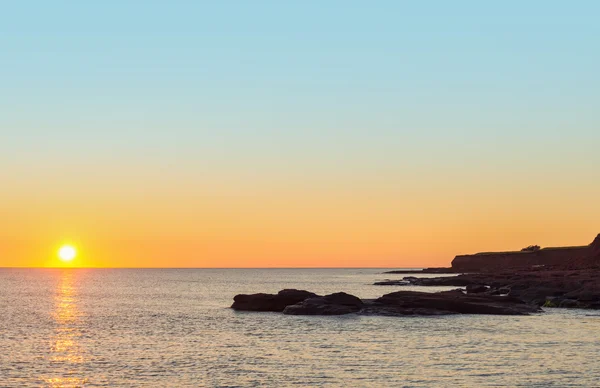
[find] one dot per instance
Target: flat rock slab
(392, 283)
(448, 302)
(447, 281)
(424, 270)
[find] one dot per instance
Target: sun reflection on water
(65, 348)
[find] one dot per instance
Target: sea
(175, 328)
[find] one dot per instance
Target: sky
(297, 133)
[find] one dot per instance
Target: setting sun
(67, 253)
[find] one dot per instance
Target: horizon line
(210, 267)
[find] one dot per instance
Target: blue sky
(258, 64)
(307, 77)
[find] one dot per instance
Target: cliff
(596, 246)
(490, 261)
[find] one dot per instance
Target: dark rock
(536, 295)
(498, 291)
(394, 304)
(372, 308)
(339, 303)
(596, 246)
(449, 302)
(449, 281)
(534, 286)
(476, 288)
(293, 294)
(569, 303)
(392, 283)
(344, 299)
(587, 292)
(270, 302)
(536, 276)
(424, 270)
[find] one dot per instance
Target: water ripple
(149, 328)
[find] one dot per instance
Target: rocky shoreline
(552, 277)
(496, 283)
(401, 303)
(548, 287)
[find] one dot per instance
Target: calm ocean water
(169, 328)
